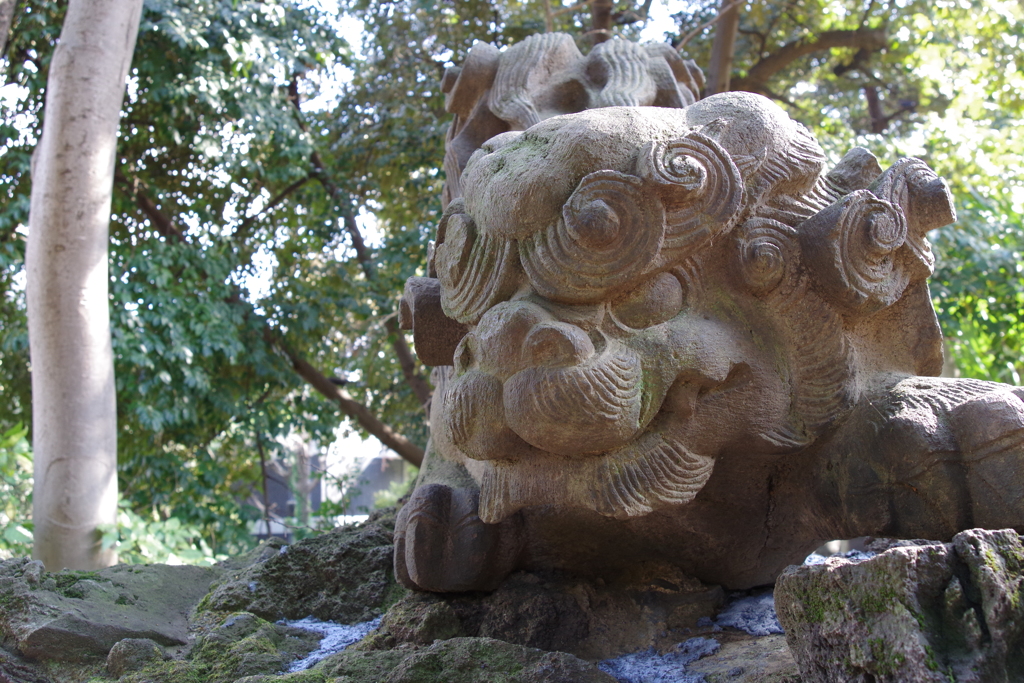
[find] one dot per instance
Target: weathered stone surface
(688, 341)
(131, 654)
(241, 645)
(458, 660)
(344, 575)
(546, 75)
(748, 659)
(485, 660)
(15, 669)
(947, 612)
(78, 615)
(593, 621)
(435, 335)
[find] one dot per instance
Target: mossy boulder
(77, 616)
(241, 645)
(916, 614)
(555, 612)
(344, 575)
(461, 660)
(132, 654)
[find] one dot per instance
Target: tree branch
(243, 228)
(566, 10)
(761, 73)
(406, 361)
(159, 220)
(692, 34)
(6, 18)
(405, 358)
(354, 409)
(722, 49)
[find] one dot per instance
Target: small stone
(33, 573)
(131, 654)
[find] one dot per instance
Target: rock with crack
(913, 614)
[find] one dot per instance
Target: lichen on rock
(344, 575)
(932, 613)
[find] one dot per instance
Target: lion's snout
(526, 377)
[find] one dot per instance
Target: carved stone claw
(442, 546)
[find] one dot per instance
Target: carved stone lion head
(646, 289)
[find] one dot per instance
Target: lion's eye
(657, 300)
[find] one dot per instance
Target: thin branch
(263, 474)
(867, 14)
(158, 219)
(355, 410)
(692, 34)
(549, 18)
(578, 5)
(406, 360)
(248, 222)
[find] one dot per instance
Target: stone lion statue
(675, 338)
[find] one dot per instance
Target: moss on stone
(241, 645)
(887, 660)
(68, 582)
(344, 575)
(74, 672)
(351, 666)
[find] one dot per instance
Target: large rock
(552, 612)
(344, 575)
(748, 659)
(73, 616)
(465, 660)
(945, 612)
(241, 645)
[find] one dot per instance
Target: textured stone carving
(687, 341)
(546, 75)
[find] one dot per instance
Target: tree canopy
(265, 219)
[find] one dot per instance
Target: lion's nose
(556, 345)
(518, 334)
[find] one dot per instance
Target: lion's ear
(853, 248)
(609, 235)
(476, 270)
(700, 185)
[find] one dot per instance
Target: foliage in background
(979, 288)
(15, 493)
(389, 497)
(167, 541)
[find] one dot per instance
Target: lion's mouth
(579, 435)
(588, 408)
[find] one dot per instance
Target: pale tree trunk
(6, 17)
(74, 421)
(722, 47)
